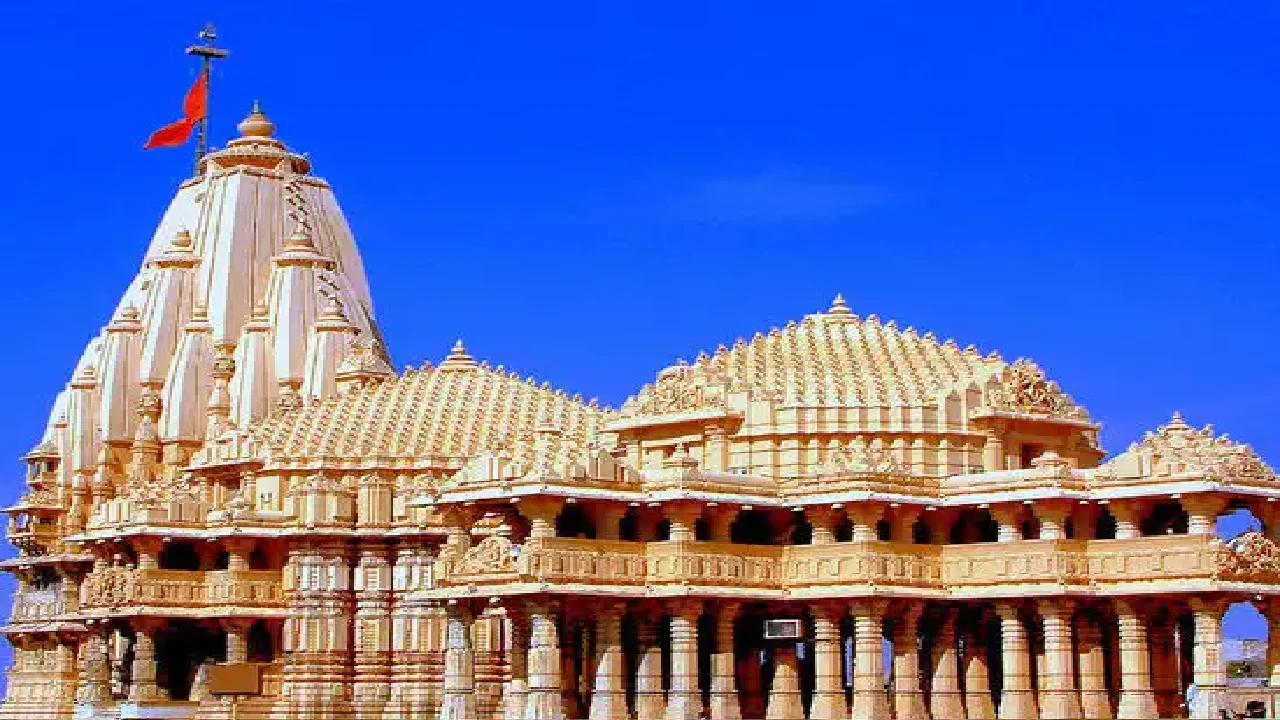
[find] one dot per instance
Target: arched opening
(262, 642)
(629, 527)
(259, 560)
(920, 532)
(751, 528)
(180, 650)
(973, 526)
(1238, 520)
(1166, 518)
(884, 530)
(844, 529)
(572, 522)
(1106, 529)
(701, 529)
(179, 556)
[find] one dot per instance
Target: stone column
(1207, 666)
(1085, 521)
(371, 669)
(609, 696)
(1164, 665)
(239, 549)
(904, 523)
(544, 701)
(785, 702)
(609, 521)
(1270, 609)
(237, 629)
(1095, 702)
(945, 699)
(1053, 518)
(828, 691)
(95, 679)
(1017, 696)
(822, 518)
(515, 694)
(865, 516)
(908, 696)
(541, 512)
(993, 451)
(144, 688)
(684, 702)
(721, 519)
(148, 551)
(459, 701)
(1128, 515)
(651, 699)
(978, 703)
(1137, 701)
(751, 672)
(1059, 699)
(1202, 514)
(724, 685)
(1009, 518)
(869, 701)
(682, 515)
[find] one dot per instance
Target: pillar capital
(541, 512)
(873, 607)
(721, 519)
(683, 607)
(1056, 607)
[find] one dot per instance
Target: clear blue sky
(585, 192)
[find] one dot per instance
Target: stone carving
(675, 390)
(861, 458)
(1250, 557)
(493, 555)
(1024, 389)
(1176, 448)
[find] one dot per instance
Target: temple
(839, 518)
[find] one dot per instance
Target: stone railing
(126, 588)
(862, 563)
(979, 568)
(36, 605)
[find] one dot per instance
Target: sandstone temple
(839, 518)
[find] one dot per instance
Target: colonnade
(861, 659)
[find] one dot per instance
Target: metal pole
(207, 53)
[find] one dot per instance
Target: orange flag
(193, 108)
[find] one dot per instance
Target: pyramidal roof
(249, 297)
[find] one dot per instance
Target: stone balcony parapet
(120, 590)
(1170, 563)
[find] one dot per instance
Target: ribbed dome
(830, 359)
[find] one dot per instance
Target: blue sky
(585, 192)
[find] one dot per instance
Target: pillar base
(828, 706)
(683, 708)
(1018, 705)
(544, 705)
(1138, 705)
(785, 702)
(1209, 703)
(947, 705)
(909, 706)
(1095, 705)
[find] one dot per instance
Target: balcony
(175, 592)
(37, 606)
(1026, 567)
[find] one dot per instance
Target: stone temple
(839, 518)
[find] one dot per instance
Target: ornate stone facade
(742, 539)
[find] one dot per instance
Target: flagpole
(207, 54)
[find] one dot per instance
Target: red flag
(193, 107)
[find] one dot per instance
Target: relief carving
(493, 555)
(1250, 557)
(1024, 389)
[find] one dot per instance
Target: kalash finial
(257, 124)
(458, 358)
(839, 308)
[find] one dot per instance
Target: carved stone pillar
(544, 701)
(541, 512)
(95, 679)
(144, 688)
(1207, 666)
(372, 658)
(1137, 700)
(1202, 513)
(1164, 664)
(609, 521)
(721, 519)
(651, 699)
(239, 550)
(459, 702)
(1009, 518)
(908, 696)
(993, 451)
(1128, 515)
(822, 518)
(904, 523)
(865, 516)
(724, 686)
(1059, 699)
(237, 629)
(684, 702)
(148, 551)
(682, 516)
(1052, 515)
(1095, 702)
(945, 699)
(785, 701)
(1017, 696)
(977, 675)
(515, 695)
(869, 701)
(318, 636)
(828, 692)
(609, 697)
(1084, 521)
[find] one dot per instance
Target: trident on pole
(207, 54)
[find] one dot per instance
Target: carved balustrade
(37, 605)
(955, 568)
(861, 563)
(175, 589)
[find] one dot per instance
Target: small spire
(257, 124)
(458, 358)
(839, 308)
